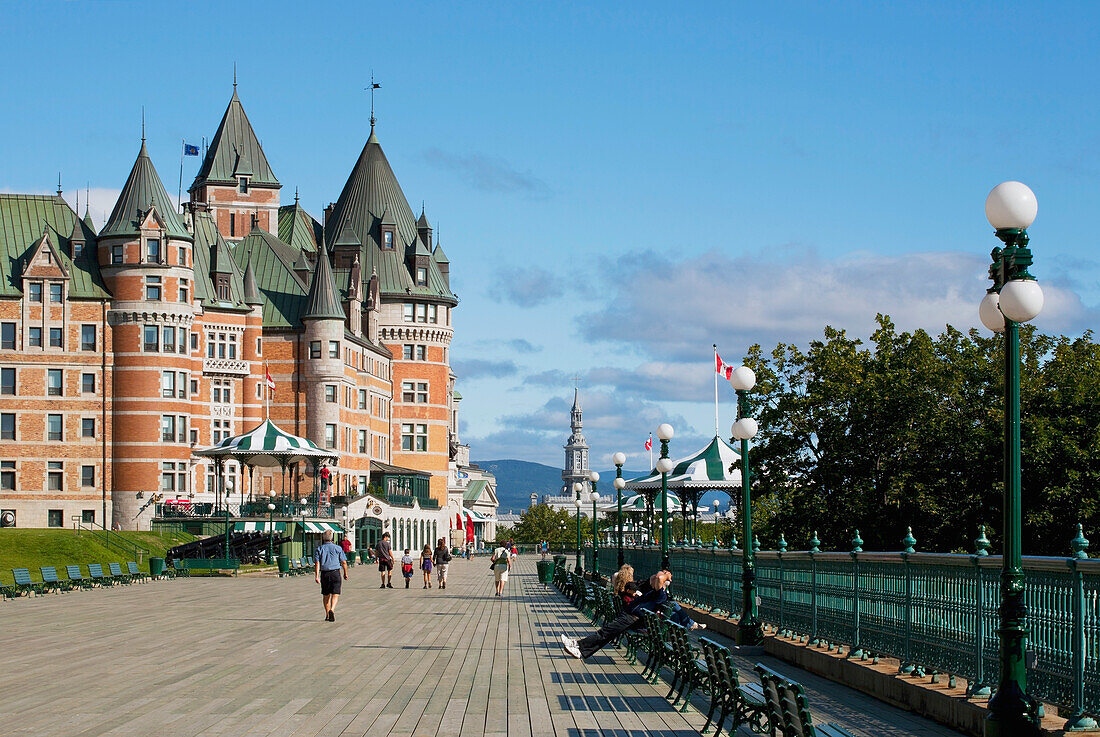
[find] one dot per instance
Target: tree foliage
(907, 430)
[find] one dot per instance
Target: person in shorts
(442, 559)
(502, 563)
(384, 553)
(328, 561)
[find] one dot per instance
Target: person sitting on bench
(631, 618)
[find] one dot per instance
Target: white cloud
(677, 309)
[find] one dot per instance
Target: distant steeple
(235, 151)
(143, 189)
(576, 450)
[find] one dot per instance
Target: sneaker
(382, 586)
(570, 646)
(332, 616)
(389, 586)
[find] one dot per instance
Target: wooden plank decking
(251, 656)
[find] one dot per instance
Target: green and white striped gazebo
(706, 470)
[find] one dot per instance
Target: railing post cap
(1080, 544)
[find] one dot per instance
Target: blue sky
(617, 186)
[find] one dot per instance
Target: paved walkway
(251, 656)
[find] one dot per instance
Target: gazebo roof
(708, 468)
(636, 503)
(267, 445)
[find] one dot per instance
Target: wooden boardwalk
(251, 656)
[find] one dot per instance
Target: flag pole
(715, 390)
(651, 450)
(267, 394)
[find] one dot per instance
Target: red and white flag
(723, 368)
(270, 382)
(649, 443)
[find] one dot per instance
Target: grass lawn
(31, 548)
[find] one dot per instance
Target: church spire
(322, 302)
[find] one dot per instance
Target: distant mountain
(516, 480)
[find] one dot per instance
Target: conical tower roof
(142, 190)
(88, 221)
(322, 301)
(439, 256)
(235, 151)
(251, 292)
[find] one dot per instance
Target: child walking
(426, 565)
(407, 567)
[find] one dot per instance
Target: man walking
(329, 559)
(384, 553)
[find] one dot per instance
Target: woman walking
(502, 563)
(426, 565)
(442, 559)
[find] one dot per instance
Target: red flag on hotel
(270, 381)
(458, 521)
(649, 443)
(469, 528)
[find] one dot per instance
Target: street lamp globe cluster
(749, 630)
(619, 459)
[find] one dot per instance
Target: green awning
(258, 526)
(319, 527)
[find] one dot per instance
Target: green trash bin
(559, 560)
(156, 567)
(284, 564)
(546, 571)
(350, 555)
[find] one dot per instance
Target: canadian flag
(723, 368)
(269, 381)
(649, 443)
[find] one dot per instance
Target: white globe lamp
(745, 428)
(1011, 205)
(665, 465)
(990, 312)
(1021, 300)
(619, 484)
(618, 459)
(665, 431)
(743, 378)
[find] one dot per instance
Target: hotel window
(183, 255)
(168, 384)
(330, 393)
(56, 481)
(55, 517)
(7, 335)
(407, 352)
(408, 312)
(314, 349)
(362, 441)
(422, 313)
(78, 248)
(433, 313)
(87, 427)
(57, 292)
(330, 436)
(222, 287)
(223, 392)
(387, 238)
(7, 426)
(152, 338)
(55, 429)
(185, 291)
(362, 393)
(414, 437)
(232, 225)
(87, 383)
(421, 352)
(334, 349)
(55, 380)
(169, 340)
(87, 337)
(152, 288)
(7, 381)
(421, 277)
(259, 347)
(35, 337)
(194, 342)
(87, 475)
(221, 430)
(168, 428)
(56, 336)
(7, 475)
(87, 516)
(233, 345)
(361, 486)
(414, 391)
(183, 341)
(194, 387)
(116, 254)
(242, 185)
(34, 291)
(152, 250)
(181, 385)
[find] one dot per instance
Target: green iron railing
(935, 613)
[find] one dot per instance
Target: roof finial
(234, 78)
(373, 86)
(58, 184)
(77, 208)
(87, 198)
(295, 194)
(143, 124)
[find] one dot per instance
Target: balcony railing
(935, 613)
(224, 366)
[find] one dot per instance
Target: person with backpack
(384, 553)
(407, 567)
(442, 558)
(502, 563)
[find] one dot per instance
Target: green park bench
(23, 582)
(788, 708)
(76, 578)
(50, 581)
(95, 572)
(657, 648)
(135, 572)
(743, 702)
(117, 574)
(179, 569)
(688, 670)
(211, 564)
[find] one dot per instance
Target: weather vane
(373, 86)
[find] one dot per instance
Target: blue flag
(190, 150)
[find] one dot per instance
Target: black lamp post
(619, 459)
(270, 527)
(594, 477)
(664, 465)
(749, 631)
(578, 488)
(1015, 297)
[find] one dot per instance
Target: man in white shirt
(502, 563)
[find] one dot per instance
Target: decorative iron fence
(936, 613)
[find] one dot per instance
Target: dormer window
(78, 248)
(116, 254)
(35, 291)
(152, 250)
(421, 277)
(387, 237)
(223, 287)
(242, 185)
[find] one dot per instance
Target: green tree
(541, 522)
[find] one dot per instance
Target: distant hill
(516, 480)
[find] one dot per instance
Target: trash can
(284, 564)
(559, 560)
(156, 567)
(546, 571)
(350, 555)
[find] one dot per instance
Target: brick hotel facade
(123, 350)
